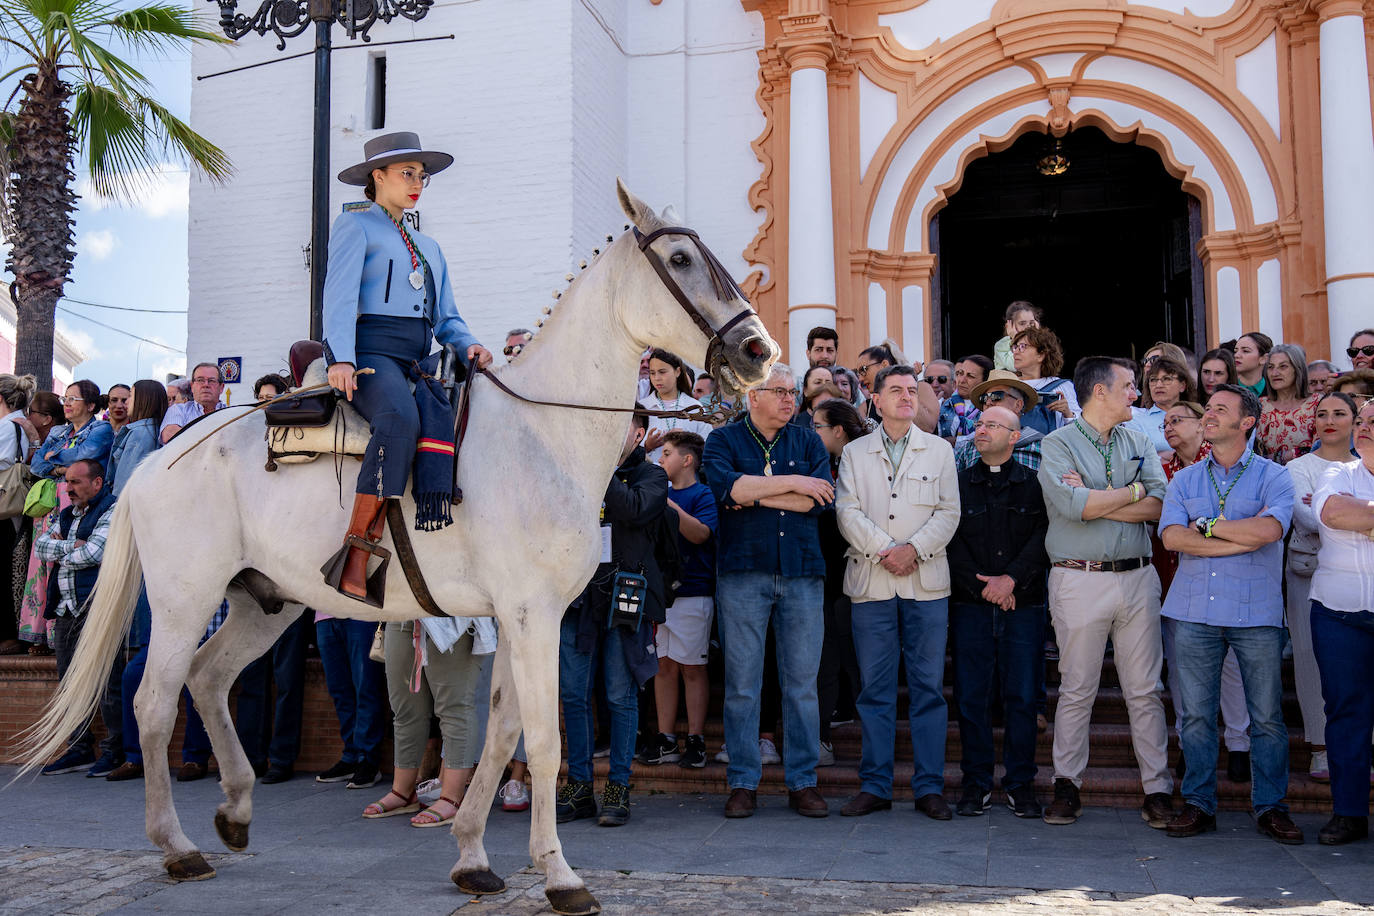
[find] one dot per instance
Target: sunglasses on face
(1367, 350)
(937, 379)
(993, 397)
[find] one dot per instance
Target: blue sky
(134, 256)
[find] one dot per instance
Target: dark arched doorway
(1108, 249)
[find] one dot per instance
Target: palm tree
(77, 95)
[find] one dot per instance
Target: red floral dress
(1165, 560)
(1286, 434)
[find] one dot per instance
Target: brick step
(1105, 786)
(1110, 744)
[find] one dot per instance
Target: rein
(690, 412)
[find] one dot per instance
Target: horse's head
(682, 299)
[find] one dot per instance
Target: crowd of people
(1200, 517)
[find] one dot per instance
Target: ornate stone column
(808, 50)
(1347, 170)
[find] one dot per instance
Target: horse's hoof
(190, 867)
(572, 901)
(234, 835)
(481, 882)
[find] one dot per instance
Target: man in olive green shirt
(1102, 483)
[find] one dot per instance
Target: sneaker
(428, 792)
(104, 766)
(576, 801)
(974, 800)
(601, 750)
(768, 752)
(615, 805)
(723, 755)
(694, 753)
(1319, 771)
(1066, 806)
(79, 758)
(827, 755)
(339, 772)
(662, 749)
(365, 776)
(1022, 802)
(514, 795)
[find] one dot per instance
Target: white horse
(523, 545)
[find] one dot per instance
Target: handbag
(378, 651)
(307, 410)
(41, 498)
(15, 483)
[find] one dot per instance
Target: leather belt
(1104, 565)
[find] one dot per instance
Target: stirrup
(376, 582)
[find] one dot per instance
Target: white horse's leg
(473, 873)
(534, 663)
(247, 633)
(170, 648)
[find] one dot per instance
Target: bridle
(724, 285)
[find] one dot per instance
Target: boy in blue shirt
(683, 640)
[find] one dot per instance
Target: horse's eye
(680, 260)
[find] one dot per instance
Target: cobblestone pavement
(52, 881)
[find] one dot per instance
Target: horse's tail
(108, 613)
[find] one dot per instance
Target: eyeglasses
(863, 369)
(988, 424)
(1367, 350)
(782, 392)
(822, 425)
(204, 381)
(1017, 348)
(410, 176)
(1171, 422)
(73, 400)
(513, 350)
(937, 379)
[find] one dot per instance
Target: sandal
(432, 814)
(379, 808)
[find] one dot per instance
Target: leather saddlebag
(307, 410)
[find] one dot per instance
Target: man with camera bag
(613, 619)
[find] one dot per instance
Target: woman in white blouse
(1335, 415)
(1343, 629)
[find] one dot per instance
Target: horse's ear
(670, 216)
(640, 213)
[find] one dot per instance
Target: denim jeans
(356, 683)
(989, 642)
(745, 602)
(1343, 642)
(66, 631)
(1200, 650)
(575, 688)
(195, 743)
(886, 632)
(268, 730)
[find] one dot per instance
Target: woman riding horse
(386, 297)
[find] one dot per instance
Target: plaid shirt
(52, 548)
(966, 455)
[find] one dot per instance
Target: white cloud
(175, 365)
(80, 339)
(161, 191)
(99, 244)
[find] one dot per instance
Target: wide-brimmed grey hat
(388, 149)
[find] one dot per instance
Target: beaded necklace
(670, 422)
(767, 449)
(1106, 453)
(417, 276)
(1221, 496)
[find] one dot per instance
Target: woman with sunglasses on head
(387, 297)
(1335, 419)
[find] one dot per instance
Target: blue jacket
(91, 441)
(755, 539)
(131, 445)
(368, 274)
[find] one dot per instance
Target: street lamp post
(287, 19)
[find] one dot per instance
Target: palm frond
(99, 64)
(126, 138)
(161, 27)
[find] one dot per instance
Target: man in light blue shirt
(1226, 516)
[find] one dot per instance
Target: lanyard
(1221, 496)
(671, 422)
(416, 257)
(767, 449)
(1106, 453)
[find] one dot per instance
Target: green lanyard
(1106, 453)
(1221, 496)
(767, 449)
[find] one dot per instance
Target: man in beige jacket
(898, 506)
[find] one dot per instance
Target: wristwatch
(1202, 525)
